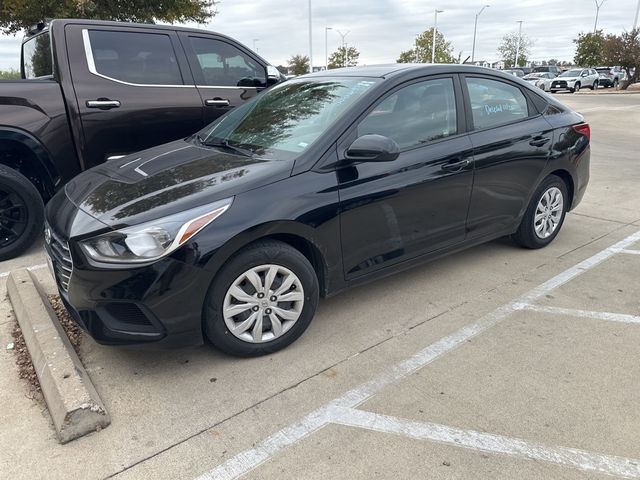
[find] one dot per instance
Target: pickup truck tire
(21, 213)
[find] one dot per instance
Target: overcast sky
(381, 29)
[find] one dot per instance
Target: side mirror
(373, 148)
(584, 74)
(273, 75)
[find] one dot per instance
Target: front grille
(128, 313)
(561, 83)
(61, 258)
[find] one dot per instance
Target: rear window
(140, 58)
(37, 59)
(495, 103)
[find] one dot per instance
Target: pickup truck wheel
(21, 213)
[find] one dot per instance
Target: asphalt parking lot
(496, 362)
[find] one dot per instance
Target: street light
(416, 57)
(635, 22)
(598, 5)
(310, 42)
(435, 29)
(344, 50)
(326, 48)
(518, 44)
(475, 28)
(255, 49)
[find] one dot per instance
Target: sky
(381, 29)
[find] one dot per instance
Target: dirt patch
(26, 370)
(71, 328)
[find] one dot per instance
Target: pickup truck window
(37, 60)
(223, 65)
(138, 58)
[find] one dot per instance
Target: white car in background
(575, 79)
(541, 80)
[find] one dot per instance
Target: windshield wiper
(223, 143)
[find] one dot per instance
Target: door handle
(539, 141)
(104, 104)
(455, 165)
(217, 102)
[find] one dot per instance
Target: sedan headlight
(152, 240)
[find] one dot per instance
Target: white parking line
(249, 459)
(631, 252)
(487, 442)
(32, 267)
(609, 316)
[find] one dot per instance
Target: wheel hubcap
(263, 303)
(13, 217)
(548, 213)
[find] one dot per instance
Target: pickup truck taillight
(583, 129)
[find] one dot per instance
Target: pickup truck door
(226, 73)
(133, 89)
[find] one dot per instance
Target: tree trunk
(630, 79)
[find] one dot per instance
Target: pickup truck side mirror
(373, 148)
(273, 75)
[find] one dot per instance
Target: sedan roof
(393, 69)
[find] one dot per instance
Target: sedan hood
(167, 179)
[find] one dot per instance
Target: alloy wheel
(548, 213)
(13, 217)
(263, 303)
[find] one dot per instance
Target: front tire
(576, 88)
(595, 85)
(545, 214)
(262, 300)
(21, 213)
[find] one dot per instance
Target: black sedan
(323, 182)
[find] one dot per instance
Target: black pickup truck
(92, 91)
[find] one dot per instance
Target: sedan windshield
(571, 73)
(284, 121)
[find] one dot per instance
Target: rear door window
(37, 60)
(221, 64)
(131, 57)
(495, 103)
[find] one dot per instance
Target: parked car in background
(574, 79)
(541, 80)
(553, 69)
(324, 182)
(516, 72)
(610, 76)
(525, 70)
(93, 91)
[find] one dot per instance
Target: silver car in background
(542, 80)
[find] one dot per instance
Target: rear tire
(532, 232)
(253, 331)
(595, 85)
(21, 213)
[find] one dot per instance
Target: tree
(424, 45)
(344, 57)
(16, 15)
(509, 46)
(624, 50)
(553, 61)
(282, 69)
(299, 65)
(589, 49)
(9, 74)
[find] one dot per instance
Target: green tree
(553, 61)
(589, 49)
(624, 50)
(16, 15)
(509, 46)
(421, 51)
(9, 74)
(299, 65)
(344, 57)
(282, 69)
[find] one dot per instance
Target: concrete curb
(74, 404)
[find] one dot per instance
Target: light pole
(598, 5)
(310, 42)
(435, 29)
(475, 28)
(635, 22)
(515, 65)
(326, 48)
(416, 57)
(255, 48)
(343, 46)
